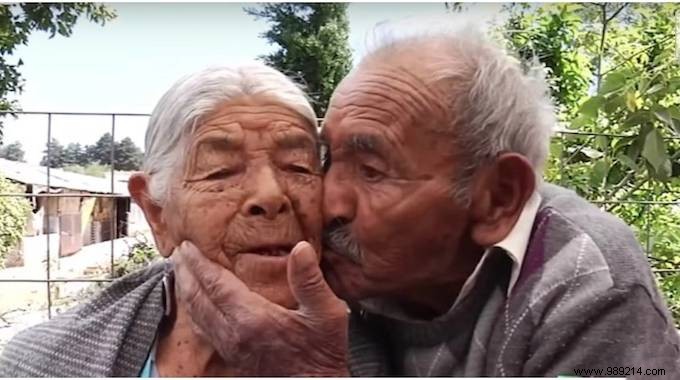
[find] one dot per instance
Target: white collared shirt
(514, 245)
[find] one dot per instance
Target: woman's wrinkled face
(250, 188)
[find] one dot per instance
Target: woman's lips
(273, 250)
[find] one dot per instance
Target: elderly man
(454, 257)
(232, 165)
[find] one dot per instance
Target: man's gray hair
(194, 96)
(496, 104)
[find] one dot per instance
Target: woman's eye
(221, 174)
(370, 173)
(298, 169)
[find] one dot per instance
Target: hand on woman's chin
(279, 294)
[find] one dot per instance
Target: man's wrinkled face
(249, 190)
(393, 228)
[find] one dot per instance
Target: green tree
(13, 216)
(13, 152)
(100, 152)
(313, 45)
(53, 155)
(19, 20)
(128, 155)
(614, 74)
(75, 154)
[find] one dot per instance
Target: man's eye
(298, 169)
(221, 174)
(371, 174)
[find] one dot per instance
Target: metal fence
(648, 205)
(49, 280)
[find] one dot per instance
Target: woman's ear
(138, 186)
(500, 192)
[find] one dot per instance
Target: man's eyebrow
(363, 143)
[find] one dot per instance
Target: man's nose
(339, 199)
(266, 198)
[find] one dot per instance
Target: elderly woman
(231, 166)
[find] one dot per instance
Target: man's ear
(138, 186)
(499, 193)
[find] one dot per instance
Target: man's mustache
(338, 238)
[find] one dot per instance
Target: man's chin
(338, 272)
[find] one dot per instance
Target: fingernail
(299, 247)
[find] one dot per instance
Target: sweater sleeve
(623, 333)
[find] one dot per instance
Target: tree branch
(613, 16)
(605, 21)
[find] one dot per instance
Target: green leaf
(602, 142)
(630, 101)
(598, 173)
(627, 161)
(664, 115)
(637, 118)
(654, 89)
(580, 122)
(613, 103)
(593, 154)
(615, 174)
(674, 112)
(590, 107)
(612, 83)
(556, 148)
(654, 151)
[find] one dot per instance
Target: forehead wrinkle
(400, 80)
(425, 92)
(415, 90)
(385, 92)
(230, 116)
(366, 101)
(372, 112)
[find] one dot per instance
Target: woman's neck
(181, 352)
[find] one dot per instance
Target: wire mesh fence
(119, 203)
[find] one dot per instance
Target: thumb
(306, 281)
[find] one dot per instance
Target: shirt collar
(514, 245)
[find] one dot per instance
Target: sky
(126, 65)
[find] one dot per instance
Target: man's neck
(436, 300)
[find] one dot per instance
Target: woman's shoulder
(96, 337)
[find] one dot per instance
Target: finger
(211, 290)
(204, 314)
(216, 279)
(307, 283)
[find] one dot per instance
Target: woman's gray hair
(496, 105)
(194, 96)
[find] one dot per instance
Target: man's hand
(257, 337)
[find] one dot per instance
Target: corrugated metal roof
(37, 175)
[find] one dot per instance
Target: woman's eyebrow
(295, 141)
(219, 140)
